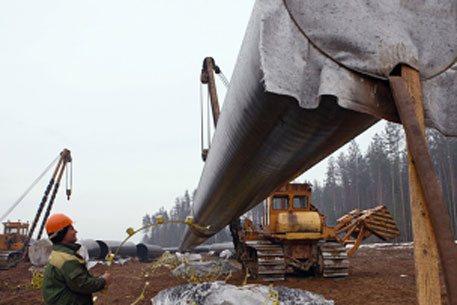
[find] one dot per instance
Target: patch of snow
(122, 261)
(84, 253)
(204, 268)
(220, 293)
(190, 257)
(389, 246)
(91, 264)
(226, 254)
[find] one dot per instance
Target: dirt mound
(377, 276)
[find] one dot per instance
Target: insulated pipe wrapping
(264, 138)
(295, 95)
(147, 252)
(127, 250)
(262, 143)
(39, 251)
(283, 112)
(93, 249)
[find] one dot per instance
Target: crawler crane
(16, 236)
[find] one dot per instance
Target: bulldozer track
(335, 259)
(270, 263)
(9, 259)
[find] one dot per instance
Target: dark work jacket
(66, 279)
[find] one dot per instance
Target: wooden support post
(425, 251)
(431, 223)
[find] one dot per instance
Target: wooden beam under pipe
(431, 225)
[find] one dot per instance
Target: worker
(66, 278)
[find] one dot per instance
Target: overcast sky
(117, 83)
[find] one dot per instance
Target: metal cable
(69, 179)
(201, 115)
(28, 189)
(208, 106)
(223, 79)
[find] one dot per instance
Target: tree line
(380, 177)
(171, 235)
(353, 180)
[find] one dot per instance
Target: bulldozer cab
(14, 235)
(288, 208)
(15, 228)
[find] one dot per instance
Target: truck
(293, 236)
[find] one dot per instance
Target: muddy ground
(378, 276)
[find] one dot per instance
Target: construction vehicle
(12, 241)
(17, 236)
(294, 237)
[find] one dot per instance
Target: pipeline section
(264, 138)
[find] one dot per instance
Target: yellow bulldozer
(15, 235)
(293, 236)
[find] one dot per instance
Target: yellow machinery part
(301, 235)
(359, 225)
(299, 222)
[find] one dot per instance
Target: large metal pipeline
(262, 143)
(93, 249)
(148, 252)
(283, 113)
(291, 61)
(265, 139)
(128, 249)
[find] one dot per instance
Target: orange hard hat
(57, 222)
